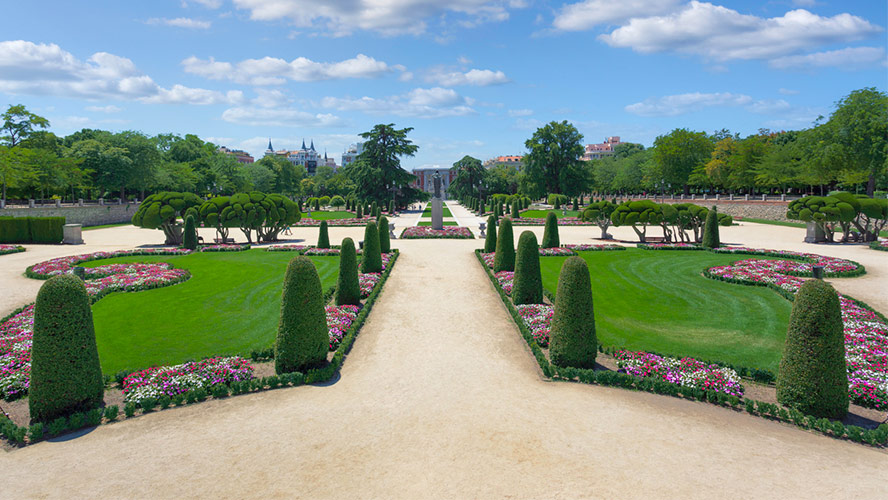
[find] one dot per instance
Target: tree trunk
(871, 185)
(687, 190)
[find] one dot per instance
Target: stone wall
(771, 210)
(91, 215)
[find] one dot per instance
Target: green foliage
(14, 230)
(48, 230)
(359, 212)
(678, 154)
(813, 375)
(385, 242)
(162, 210)
(65, 373)
(527, 287)
(371, 259)
(516, 207)
(189, 239)
(710, 230)
(600, 212)
(302, 341)
(572, 340)
(348, 290)
(323, 236)
(550, 233)
(504, 260)
(490, 238)
(638, 214)
(552, 164)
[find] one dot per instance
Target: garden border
(14, 249)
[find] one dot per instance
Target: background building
(351, 154)
(425, 179)
(308, 157)
(511, 161)
(599, 151)
(241, 156)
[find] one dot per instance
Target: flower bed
(537, 317)
(286, 248)
(876, 245)
(506, 280)
(686, 372)
(832, 266)
(585, 247)
(339, 319)
(426, 232)
(62, 265)
(670, 246)
(5, 249)
(336, 222)
(172, 380)
(321, 251)
(563, 221)
(224, 247)
(556, 252)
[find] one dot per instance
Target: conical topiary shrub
(572, 340)
(373, 209)
(317, 204)
(371, 258)
(348, 289)
(505, 248)
(359, 212)
(490, 238)
(65, 373)
(527, 287)
(189, 237)
(303, 338)
(498, 211)
(392, 207)
(385, 242)
(323, 236)
(710, 230)
(516, 210)
(550, 233)
(813, 374)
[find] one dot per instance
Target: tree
(378, 168)
(861, 125)
(710, 230)
(260, 176)
(552, 163)
(470, 175)
(303, 338)
(638, 214)
(550, 232)
(527, 286)
(679, 153)
(572, 340)
(18, 124)
(162, 210)
(490, 237)
(385, 242)
(348, 289)
(504, 260)
(371, 260)
(337, 202)
(189, 239)
(599, 212)
(323, 236)
(15, 168)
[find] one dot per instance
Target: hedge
(303, 338)
(527, 286)
(49, 230)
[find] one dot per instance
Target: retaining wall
(771, 210)
(92, 215)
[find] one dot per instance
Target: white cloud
(180, 22)
(674, 105)
(104, 109)
(769, 106)
(210, 4)
(476, 77)
(590, 13)
(520, 112)
(388, 17)
(279, 117)
(275, 71)
(46, 69)
(721, 34)
(848, 58)
(421, 103)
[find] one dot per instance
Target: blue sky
(470, 76)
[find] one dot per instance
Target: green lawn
(327, 215)
(802, 225)
(105, 226)
(659, 301)
(230, 305)
(541, 214)
(428, 211)
(429, 223)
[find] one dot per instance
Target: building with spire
(308, 157)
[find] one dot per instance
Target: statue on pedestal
(437, 181)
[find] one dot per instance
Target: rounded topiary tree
(572, 340)
(337, 201)
(303, 338)
(710, 230)
(317, 204)
(65, 373)
(162, 210)
(385, 242)
(348, 289)
(371, 259)
(490, 238)
(813, 374)
(323, 236)
(527, 286)
(189, 238)
(505, 248)
(550, 233)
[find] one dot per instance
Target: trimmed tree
(813, 374)
(385, 242)
(359, 211)
(348, 289)
(371, 260)
(550, 233)
(710, 230)
(490, 238)
(516, 210)
(162, 210)
(572, 340)
(323, 236)
(505, 248)
(527, 286)
(599, 213)
(189, 239)
(65, 373)
(303, 339)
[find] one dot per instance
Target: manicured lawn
(105, 226)
(327, 215)
(230, 305)
(802, 225)
(541, 214)
(429, 223)
(428, 211)
(659, 301)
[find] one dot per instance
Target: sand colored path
(440, 399)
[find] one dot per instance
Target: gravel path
(440, 398)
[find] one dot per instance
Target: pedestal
(814, 234)
(72, 234)
(437, 213)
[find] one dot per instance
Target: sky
(471, 77)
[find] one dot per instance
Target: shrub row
(32, 229)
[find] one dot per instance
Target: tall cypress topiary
(373, 209)
(550, 233)
(490, 238)
(392, 207)
(317, 204)
(371, 260)
(359, 212)
(710, 230)
(516, 210)
(385, 242)
(527, 286)
(505, 248)
(303, 338)
(348, 289)
(189, 238)
(65, 373)
(323, 236)
(498, 211)
(813, 374)
(572, 340)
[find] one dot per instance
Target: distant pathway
(440, 399)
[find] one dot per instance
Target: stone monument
(437, 204)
